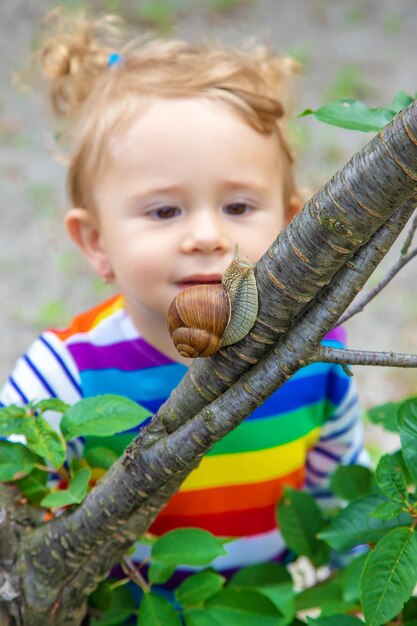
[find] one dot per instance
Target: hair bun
(73, 53)
(55, 60)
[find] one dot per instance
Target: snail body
(204, 318)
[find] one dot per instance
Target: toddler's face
(185, 183)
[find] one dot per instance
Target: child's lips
(198, 279)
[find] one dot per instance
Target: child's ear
(293, 207)
(83, 228)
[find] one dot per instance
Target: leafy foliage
(392, 568)
(300, 520)
(101, 416)
(374, 530)
(355, 115)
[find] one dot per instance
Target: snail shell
(203, 318)
(197, 319)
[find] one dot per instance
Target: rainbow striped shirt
(297, 437)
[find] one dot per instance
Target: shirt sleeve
(46, 370)
(341, 440)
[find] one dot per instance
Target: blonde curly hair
(100, 101)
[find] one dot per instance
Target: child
(179, 152)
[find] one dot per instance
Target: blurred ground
(360, 49)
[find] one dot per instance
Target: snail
(204, 318)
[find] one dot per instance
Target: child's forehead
(160, 118)
(166, 137)
(169, 132)
(191, 144)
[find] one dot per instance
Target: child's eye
(164, 212)
(237, 208)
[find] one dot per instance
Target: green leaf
(398, 456)
(58, 499)
(156, 611)
(78, 485)
(42, 439)
(334, 595)
(11, 424)
(199, 587)
(335, 620)
(352, 114)
(401, 101)
(262, 574)
(33, 486)
(12, 411)
(354, 525)
(385, 415)
(351, 481)
(242, 607)
(199, 617)
(325, 594)
(187, 546)
(101, 457)
(387, 510)
(16, 461)
(102, 597)
(273, 581)
(349, 578)
(389, 576)
(407, 423)
(160, 573)
(123, 598)
(300, 520)
(390, 479)
(409, 612)
(51, 404)
(102, 416)
(75, 464)
(116, 444)
(114, 617)
(76, 492)
(122, 606)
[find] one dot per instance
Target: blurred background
(363, 49)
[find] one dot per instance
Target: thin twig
(326, 354)
(409, 238)
(131, 570)
(357, 308)
(120, 583)
(62, 471)
(346, 369)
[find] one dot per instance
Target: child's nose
(206, 234)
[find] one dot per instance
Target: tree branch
(13, 519)
(326, 354)
(112, 550)
(8, 539)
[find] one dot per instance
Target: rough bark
(306, 280)
(365, 357)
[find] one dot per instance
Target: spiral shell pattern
(197, 318)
